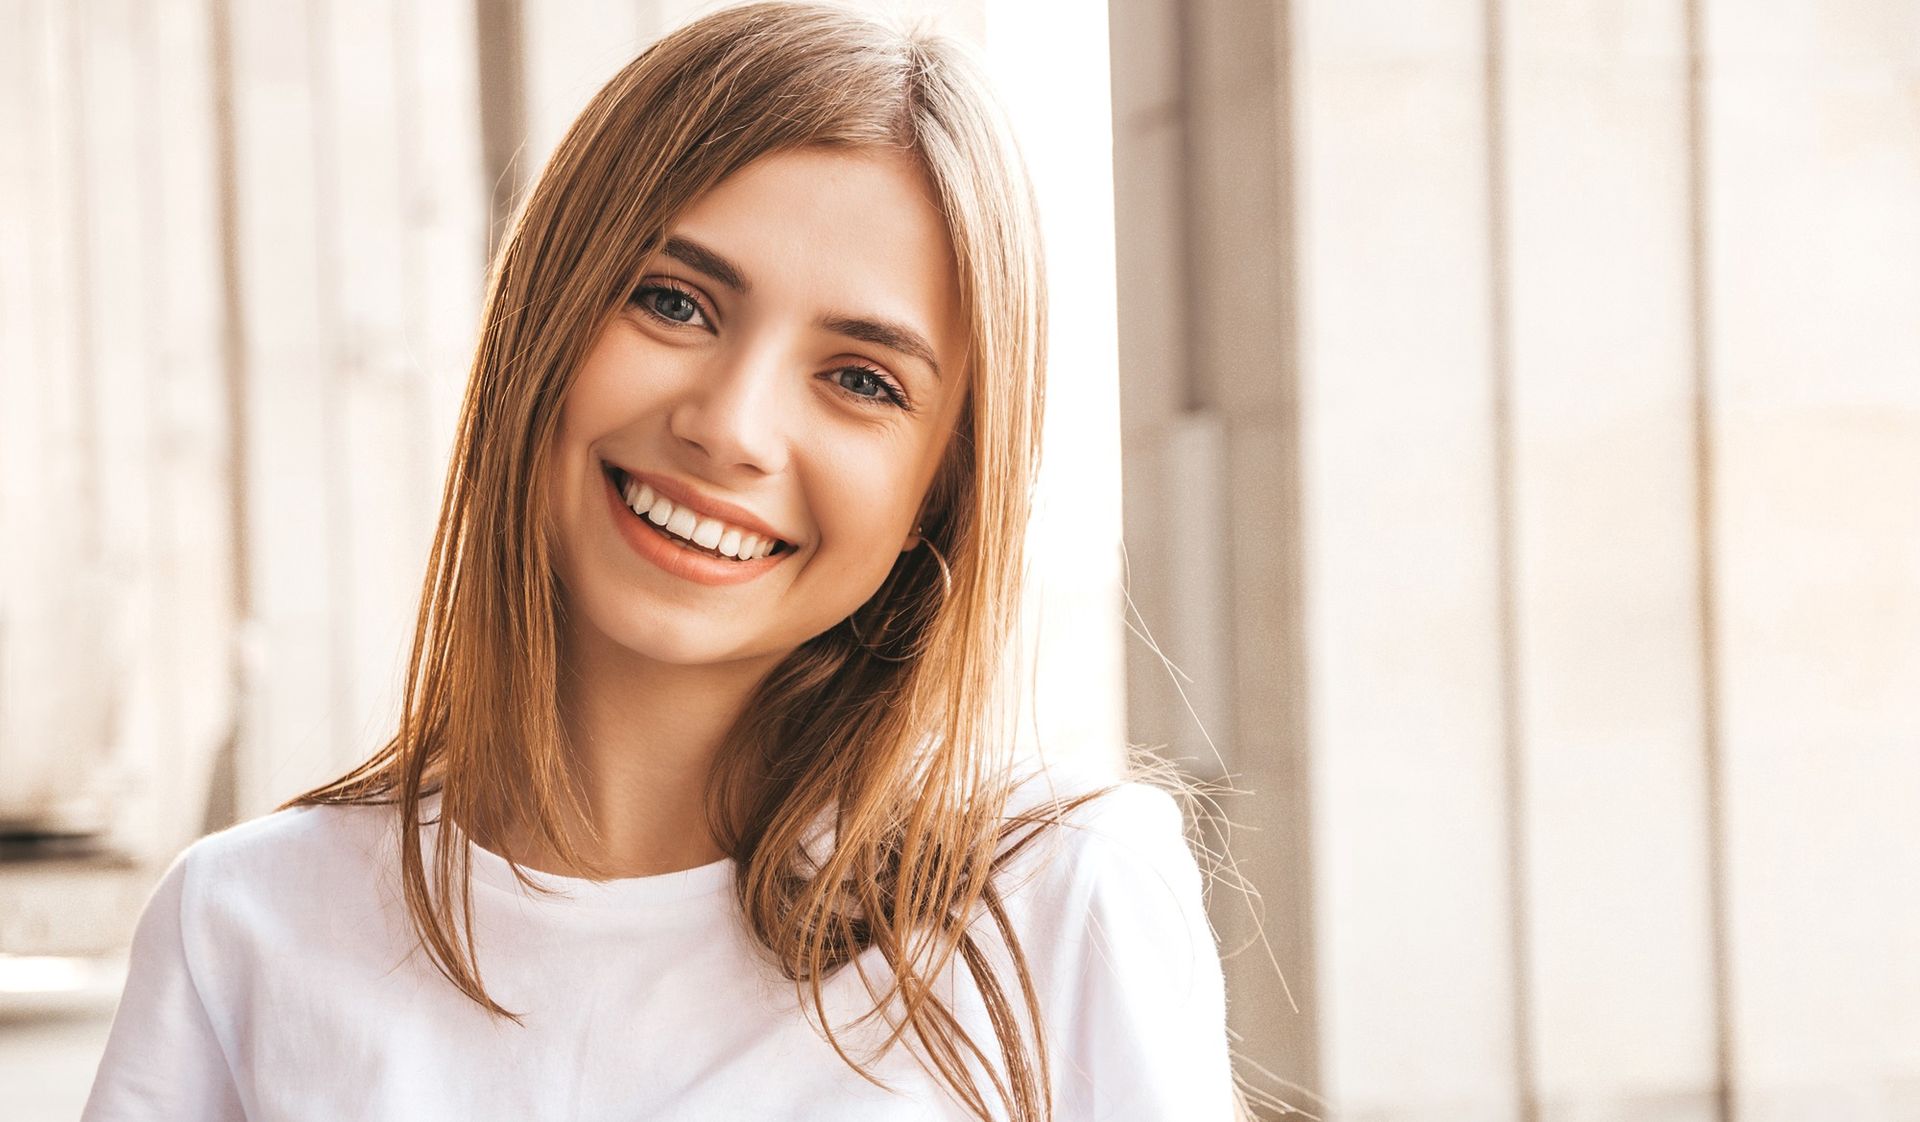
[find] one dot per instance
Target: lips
(682, 498)
(686, 527)
(676, 557)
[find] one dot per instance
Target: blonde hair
(885, 723)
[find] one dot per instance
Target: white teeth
(708, 533)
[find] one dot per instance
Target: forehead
(856, 232)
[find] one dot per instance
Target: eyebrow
(880, 332)
(707, 261)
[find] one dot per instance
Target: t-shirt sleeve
(1148, 1032)
(163, 1059)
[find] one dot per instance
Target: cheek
(594, 404)
(561, 522)
(566, 455)
(623, 375)
(867, 499)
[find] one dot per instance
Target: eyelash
(891, 394)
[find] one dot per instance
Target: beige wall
(1560, 402)
(117, 600)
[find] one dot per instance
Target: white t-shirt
(274, 976)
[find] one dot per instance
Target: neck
(643, 737)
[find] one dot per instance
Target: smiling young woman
(700, 757)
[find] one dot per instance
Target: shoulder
(1118, 930)
(296, 835)
(291, 858)
(1099, 817)
(1099, 867)
(210, 952)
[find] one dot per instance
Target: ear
(913, 538)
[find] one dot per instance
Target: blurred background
(1485, 435)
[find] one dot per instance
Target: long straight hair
(891, 724)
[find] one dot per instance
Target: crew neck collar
(492, 869)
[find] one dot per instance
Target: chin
(625, 623)
(659, 637)
(672, 642)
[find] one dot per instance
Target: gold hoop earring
(946, 574)
(853, 621)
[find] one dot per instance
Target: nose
(732, 410)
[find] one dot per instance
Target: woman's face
(790, 367)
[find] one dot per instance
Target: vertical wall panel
(1619, 962)
(114, 612)
(1611, 800)
(570, 51)
(292, 475)
(54, 714)
(1402, 589)
(191, 467)
(446, 194)
(1048, 64)
(20, 96)
(120, 330)
(362, 227)
(382, 534)
(1815, 271)
(1174, 587)
(1242, 435)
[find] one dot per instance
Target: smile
(719, 538)
(692, 546)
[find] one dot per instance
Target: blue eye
(884, 389)
(668, 303)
